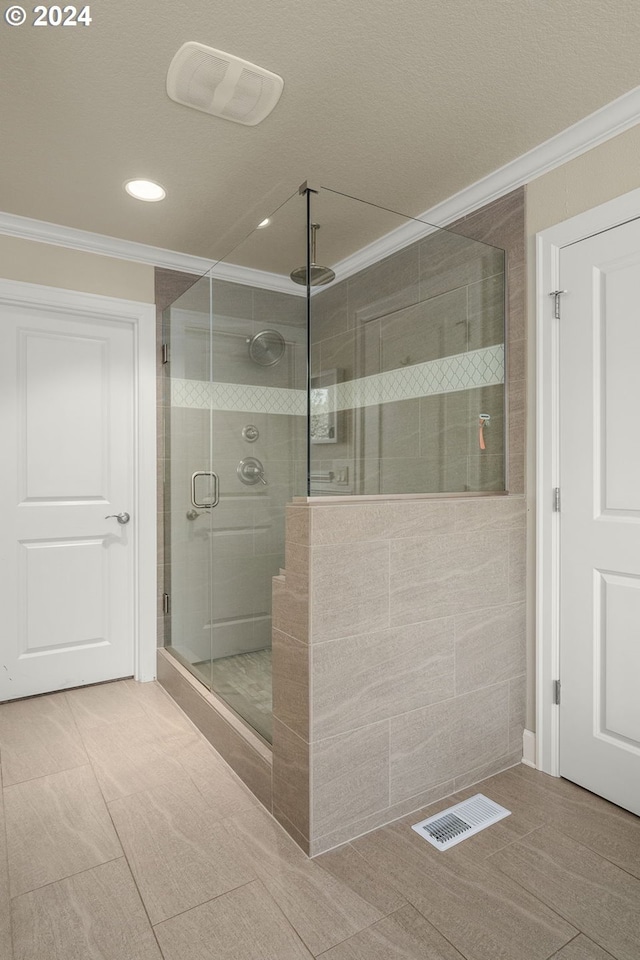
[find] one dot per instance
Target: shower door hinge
(556, 303)
(556, 499)
(556, 692)
(165, 603)
(165, 353)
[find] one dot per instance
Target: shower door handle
(216, 486)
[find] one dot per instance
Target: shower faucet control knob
(251, 471)
(250, 433)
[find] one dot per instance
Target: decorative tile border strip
(202, 395)
(464, 371)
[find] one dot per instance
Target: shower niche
(370, 383)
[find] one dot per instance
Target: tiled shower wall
(502, 223)
(399, 629)
(440, 297)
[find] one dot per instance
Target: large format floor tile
(5, 918)
(95, 915)
(168, 719)
(559, 879)
(5, 914)
(363, 878)
(5, 910)
(114, 702)
(593, 894)
(405, 934)
(244, 924)
(322, 908)
(38, 737)
(179, 855)
(581, 949)
(608, 830)
(56, 826)
(130, 757)
(482, 913)
(221, 788)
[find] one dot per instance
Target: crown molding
(278, 282)
(25, 228)
(602, 125)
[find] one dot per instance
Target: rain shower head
(267, 347)
(317, 274)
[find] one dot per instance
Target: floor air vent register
(452, 826)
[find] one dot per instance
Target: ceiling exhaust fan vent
(222, 85)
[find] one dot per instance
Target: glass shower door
(236, 454)
(190, 486)
(258, 445)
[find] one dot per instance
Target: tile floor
(128, 838)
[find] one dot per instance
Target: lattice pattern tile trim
(202, 395)
(464, 371)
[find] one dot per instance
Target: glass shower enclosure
(235, 436)
(382, 377)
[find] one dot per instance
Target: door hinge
(165, 603)
(556, 499)
(556, 692)
(556, 303)
(165, 353)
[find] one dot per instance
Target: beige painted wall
(606, 172)
(54, 266)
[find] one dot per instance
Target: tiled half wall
(399, 627)
(398, 658)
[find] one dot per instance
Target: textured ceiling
(401, 104)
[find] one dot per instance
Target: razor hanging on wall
(483, 422)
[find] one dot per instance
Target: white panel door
(66, 572)
(600, 514)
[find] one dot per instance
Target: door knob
(120, 517)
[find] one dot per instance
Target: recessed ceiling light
(264, 223)
(145, 190)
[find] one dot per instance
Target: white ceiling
(399, 103)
